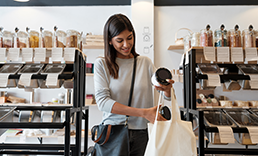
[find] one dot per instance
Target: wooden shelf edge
(93, 46)
(176, 47)
(89, 74)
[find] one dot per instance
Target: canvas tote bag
(174, 137)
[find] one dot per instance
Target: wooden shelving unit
(92, 46)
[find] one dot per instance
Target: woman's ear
(110, 43)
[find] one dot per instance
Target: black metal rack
(77, 72)
(190, 80)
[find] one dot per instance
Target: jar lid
(162, 74)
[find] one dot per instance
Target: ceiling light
(21, 0)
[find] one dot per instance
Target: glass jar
(249, 37)
(234, 37)
(7, 39)
(34, 39)
(195, 41)
(206, 37)
(22, 39)
(48, 39)
(72, 38)
(256, 37)
(61, 38)
(1, 37)
(187, 43)
(220, 37)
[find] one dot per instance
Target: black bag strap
(132, 83)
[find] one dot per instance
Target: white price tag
(40, 55)
(2, 54)
(57, 54)
(52, 79)
(250, 53)
(13, 54)
(226, 134)
(213, 80)
(69, 54)
(209, 53)
(253, 132)
(253, 81)
(4, 80)
(223, 54)
(25, 79)
(237, 54)
(27, 54)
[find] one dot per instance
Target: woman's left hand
(166, 89)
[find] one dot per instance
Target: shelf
(89, 74)
(93, 46)
(176, 47)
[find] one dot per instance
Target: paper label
(13, 54)
(27, 54)
(25, 79)
(69, 54)
(52, 80)
(250, 53)
(57, 54)
(253, 132)
(2, 54)
(209, 53)
(40, 55)
(223, 54)
(4, 80)
(226, 134)
(213, 80)
(237, 54)
(253, 81)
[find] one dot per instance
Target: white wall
(169, 19)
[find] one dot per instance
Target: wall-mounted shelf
(89, 74)
(93, 46)
(176, 47)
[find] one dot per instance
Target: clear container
(48, 36)
(1, 37)
(22, 39)
(187, 43)
(206, 37)
(220, 37)
(249, 37)
(72, 38)
(7, 39)
(61, 38)
(15, 38)
(256, 37)
(234, 37)
(34, 39)
(195, 40)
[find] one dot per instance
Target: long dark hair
(113, 27)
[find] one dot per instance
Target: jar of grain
(48, 39)
(7, 39)
(234, 37)
(22, 39)
(206, 37)
(34, 39)
(1, 37)
(220, 36)
(248, 37)
(61, 38)
(72, 38)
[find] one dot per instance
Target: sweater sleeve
(101, 85)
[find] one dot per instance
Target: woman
(112, 80)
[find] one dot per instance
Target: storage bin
(6, 115)
(243, 118)
(72, 38)
(206, 37)
(10, 69)
(7, 39)
(220, 37)
(214, 118)
(249, 38)
(234, 37)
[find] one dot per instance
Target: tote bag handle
(175, 108)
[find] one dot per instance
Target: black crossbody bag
(113, 140)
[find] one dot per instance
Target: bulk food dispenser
(249, 37)
(220, 37)
(206, 37)
(234, 37)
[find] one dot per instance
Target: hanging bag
(173, 137)
(113, 140)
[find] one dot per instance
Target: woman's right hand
(150, 114)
